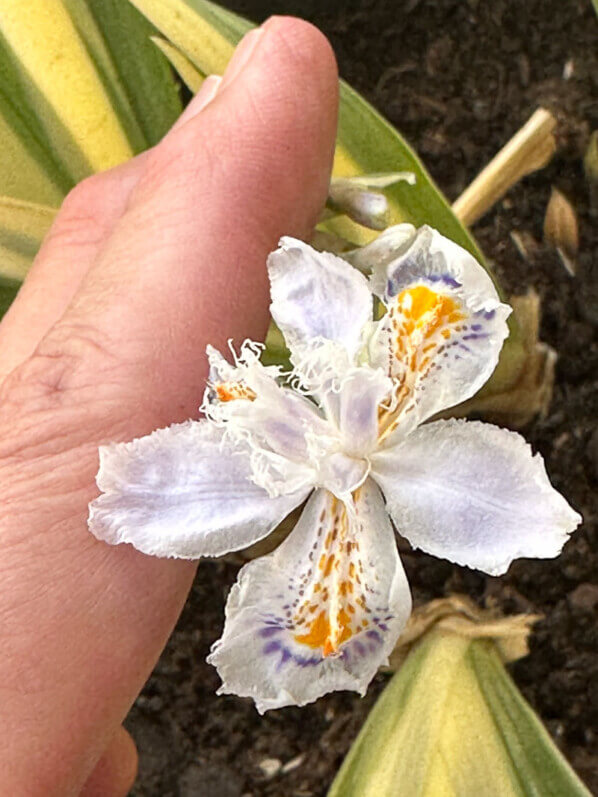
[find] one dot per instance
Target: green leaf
(367, 143)
(143, 71)
(8, 291)
(451, 722)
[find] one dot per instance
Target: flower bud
(360, 197)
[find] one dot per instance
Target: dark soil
(458, 78)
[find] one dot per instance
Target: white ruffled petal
(316, 295)
(444, 329)
(474, 494)
(183, 492)
(269, 420)
(322, 612)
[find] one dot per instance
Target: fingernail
(242, 55)
(207, 92)
(204, 96)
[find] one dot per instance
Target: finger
(86, 219)
(188, 248)
(184, 266)
(115, 772)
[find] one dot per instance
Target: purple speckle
(448, 279)
(269, 630)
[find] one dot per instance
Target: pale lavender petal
(316, 295)
(183, 492)
(474, 494)
(319, 614)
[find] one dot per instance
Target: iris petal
(320, 613)
(474, 494)
(317, 296)
(184, 492)
(443, 331)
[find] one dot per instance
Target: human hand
(143, 267)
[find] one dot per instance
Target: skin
(144, 266)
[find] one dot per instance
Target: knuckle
(68, 365)
(67, 393)
(81, 218)
(79, 199)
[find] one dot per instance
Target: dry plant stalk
(530, 149)
(459, 615)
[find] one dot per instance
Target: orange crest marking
(230, 391)
(334, 609)
(417, 315)
(420, 323)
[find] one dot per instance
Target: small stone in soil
(270, 767)
(293, 764)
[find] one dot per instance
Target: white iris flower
(347, 432)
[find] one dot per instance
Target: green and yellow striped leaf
(451, 723)
(197, 29)
(61, 87)
(188, 72)
(82, 88)
(142, 71)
